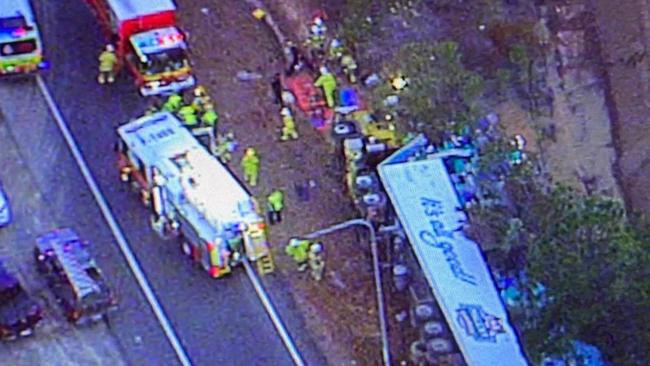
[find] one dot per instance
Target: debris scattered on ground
(245, 75)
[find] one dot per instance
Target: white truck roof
(160, 140)
(131, 9)
(12, 8)
(426, 204)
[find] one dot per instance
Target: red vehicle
(148, 42)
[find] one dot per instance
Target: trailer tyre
(439, 346)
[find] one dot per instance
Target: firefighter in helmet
(226, 145)
(316, 261)
(107, 65)
(173, 103)
(298, 249)
(251, 165)
(327, 82)
(201, 99)
(188, 115)
(288, 125)
(349, 66)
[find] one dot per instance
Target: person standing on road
(275, 205)
(251, 165)
(316, 262)
(107, 64)
(327, 81)
(298, 250)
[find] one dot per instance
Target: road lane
(217, 321)
(64, 200)
(55, 342)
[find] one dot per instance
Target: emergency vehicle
(192, 195)
(21, 49)
(148, 42)
(78, 285)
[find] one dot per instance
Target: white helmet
(110, 48)
(316, 248)
(520, 142)
(323, 70)
(335, 43)
(285, 111)
(318, 21)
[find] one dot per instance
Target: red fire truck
(148, 42)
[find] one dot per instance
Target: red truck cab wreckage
(148, 42)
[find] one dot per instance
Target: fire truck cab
(21, 49)
(191, 194)
(148, 42)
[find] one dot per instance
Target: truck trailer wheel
(439, 346)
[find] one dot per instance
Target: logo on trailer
(478, 324)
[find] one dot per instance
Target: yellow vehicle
(21, 49)
(383, 131)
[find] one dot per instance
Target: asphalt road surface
(29, 184)
(218, 321)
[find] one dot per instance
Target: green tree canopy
(593, 261)
(442, 94)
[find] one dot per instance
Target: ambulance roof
(15, 8)
(131, 9)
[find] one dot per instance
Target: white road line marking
(275, 317)
(112, 223)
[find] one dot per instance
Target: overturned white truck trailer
(428, 209)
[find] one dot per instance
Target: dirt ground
(581, 150)
(623, 31)
(339, 311)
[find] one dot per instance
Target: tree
(590, 258)
(442, 94)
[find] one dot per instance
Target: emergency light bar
(167, 40)
(19, 32)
